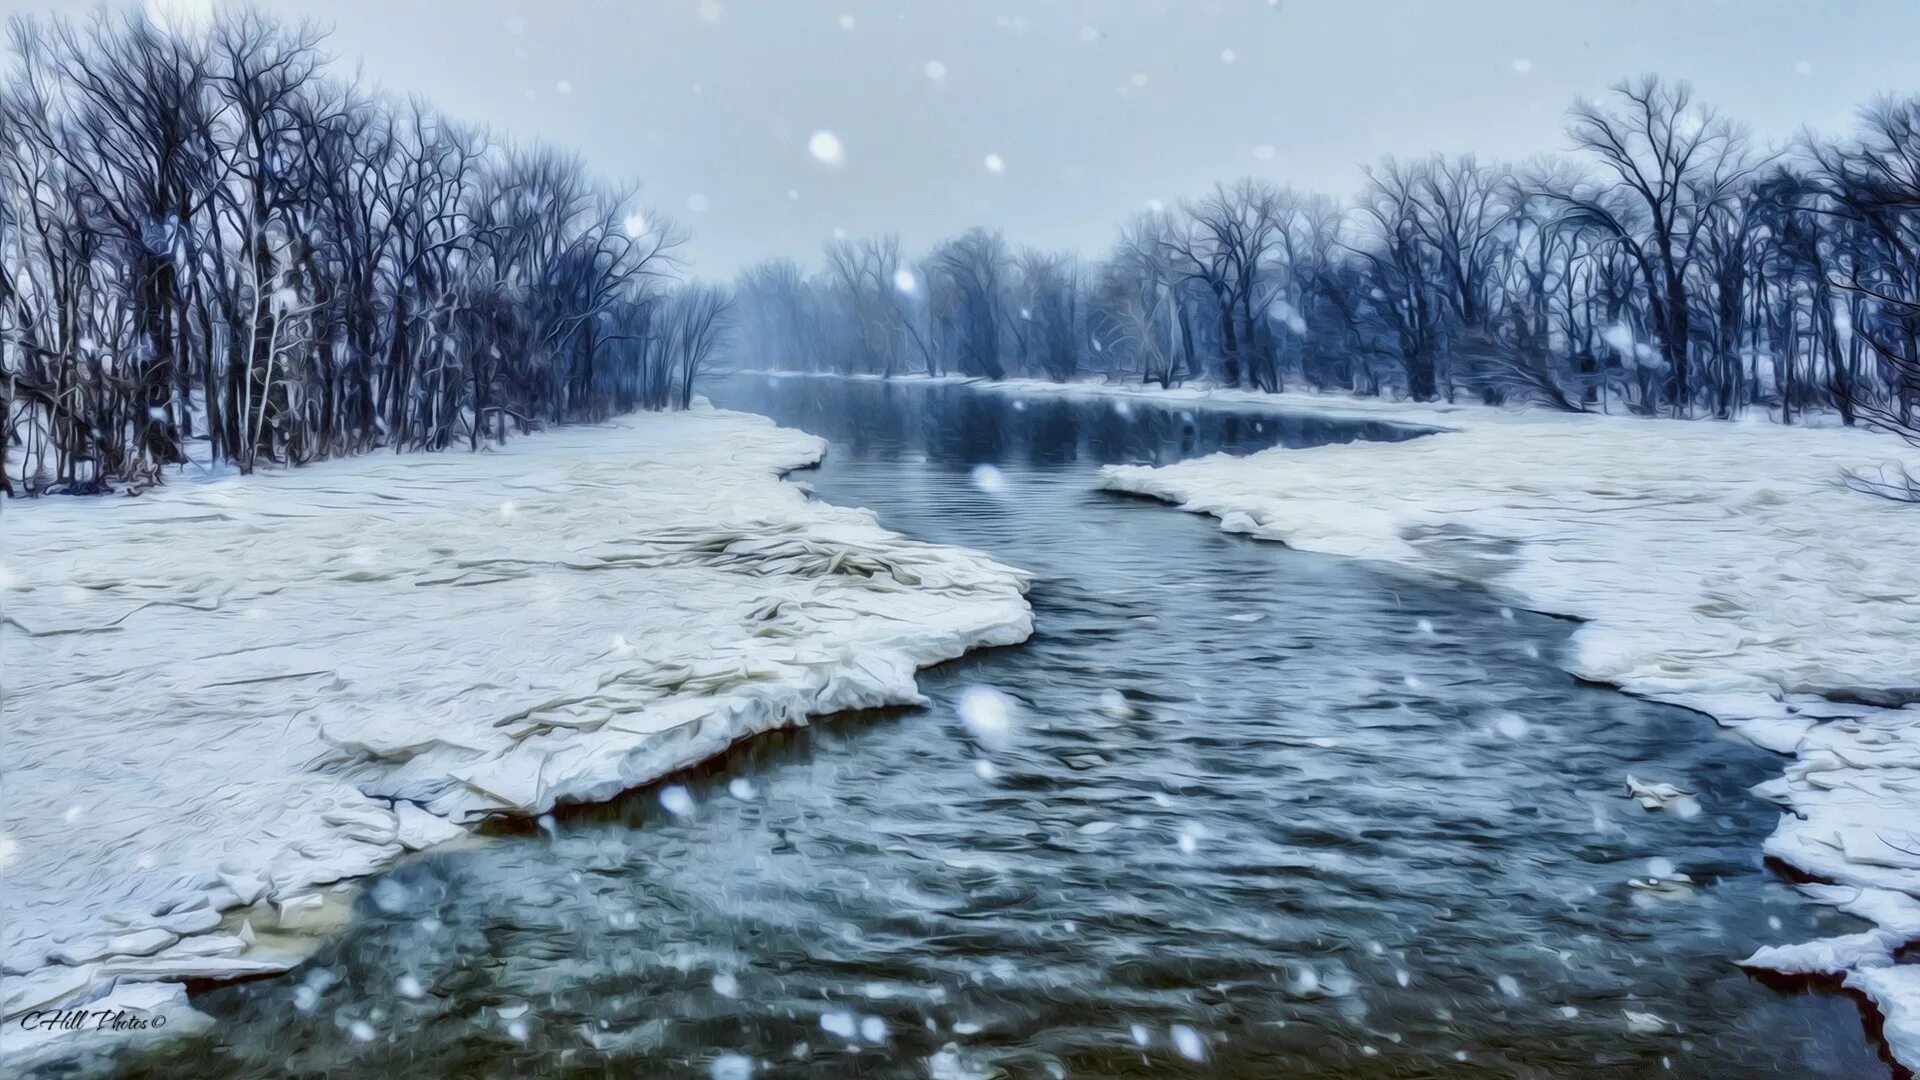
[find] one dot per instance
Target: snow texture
(1722, 566)
(234, 692)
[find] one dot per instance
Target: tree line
(212, 248)
(1666, 266)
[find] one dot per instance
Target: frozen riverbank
(223, 696)
(1721, 566)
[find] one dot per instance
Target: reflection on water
(1251, 813)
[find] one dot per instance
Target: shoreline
(1851, 786)
(1851, 789)
(226, 702)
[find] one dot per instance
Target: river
(1235, 810)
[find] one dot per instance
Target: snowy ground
(224, 695)
(1720, 566)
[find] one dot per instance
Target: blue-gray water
(1292, 814)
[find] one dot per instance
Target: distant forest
(1666, 266)
(211, 247)
(214, 249)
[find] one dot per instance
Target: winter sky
(1088, 108)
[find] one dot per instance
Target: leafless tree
(207, 240)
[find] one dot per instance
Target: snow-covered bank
(224, 695)
(1721, 566)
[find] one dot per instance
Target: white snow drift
(1722, 566)
(227, 693)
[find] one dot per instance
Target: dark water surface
(1281, 813)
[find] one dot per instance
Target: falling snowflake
(995, 164)
(838, 1023)
(904, 280)
(825, 147)
(936, 70)
(986, 713)
(676, 800)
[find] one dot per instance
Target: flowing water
(1253, 813)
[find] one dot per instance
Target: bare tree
(1676, 163)
(697, 320)
(206, 239)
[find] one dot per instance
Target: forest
(214, 249)
(1666, 266)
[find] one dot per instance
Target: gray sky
(1094, 107)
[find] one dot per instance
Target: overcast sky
(1093, 107)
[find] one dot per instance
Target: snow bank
(226, 694)
(1721, 566)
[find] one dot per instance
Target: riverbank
(1722, 566)
(225, 696)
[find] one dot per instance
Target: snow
(838, 1023)
(255, 687)
(1896, 991)
(988, 479)
(987, 714)
(676, 800)
(1724, 567)
(826, 149)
